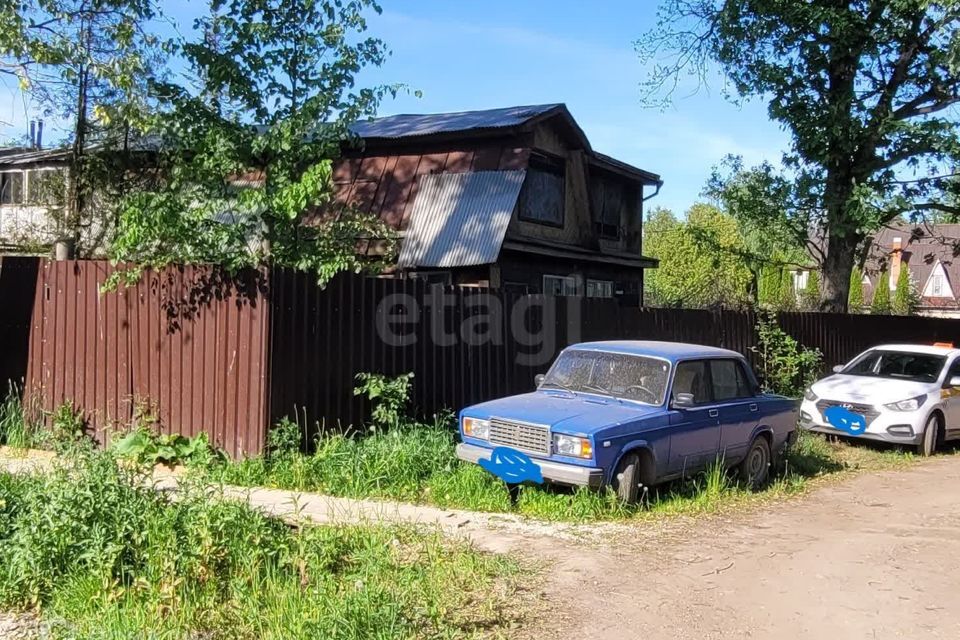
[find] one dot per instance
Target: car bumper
(556, 472)
(812, 420)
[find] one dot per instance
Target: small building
(512, 198)
(931, 253)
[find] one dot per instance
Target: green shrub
(881, 295)
(145, 447)
(855, 298)
(388, 395)
(785, 366)
(284, 439)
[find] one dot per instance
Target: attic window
(542, 197)
(608, 197)
(936, 285)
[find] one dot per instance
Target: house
(931, 253)
(512, 198)
(32, 183)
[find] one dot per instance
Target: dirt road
(877, 556)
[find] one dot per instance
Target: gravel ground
(21, 626)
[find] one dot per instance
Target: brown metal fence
(185, 346)
(204, 352)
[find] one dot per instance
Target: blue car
(631, 414)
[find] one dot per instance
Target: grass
(417, 464)
(102, 555)
(15, 430)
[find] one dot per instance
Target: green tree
(905, 298)
(90, 63)
(240, 194)
(787, 300)
(700, 263)
(855, 299)
(865, 87)
(768, 292)
(881, 295)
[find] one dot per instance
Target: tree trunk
(841, 255)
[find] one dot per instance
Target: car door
(738, 408)
(694, 430)
(951, 400)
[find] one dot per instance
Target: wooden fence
(204, 352)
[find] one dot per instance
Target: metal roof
(668, 350)
(460, 219)
(409, 124)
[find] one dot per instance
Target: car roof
(916, 348)
(668, 350)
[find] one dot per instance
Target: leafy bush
(388, 395)
(147, 448)
(283, 440)
(103, 555)
(785, 366)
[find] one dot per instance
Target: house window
(607, 198)
(11, 187)
(800, 280)
(936, 285)
(599, 288)
(542, 196)
(559, 285)
(45, 187)
(438, 278)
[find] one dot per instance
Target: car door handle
(753, 406)
(713, 413)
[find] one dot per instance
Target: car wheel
(755, 467)
(626, 478)
(929, 443)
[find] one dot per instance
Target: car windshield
(619, 375)
(901, 365)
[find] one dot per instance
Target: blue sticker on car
(845, 420)
(512, 466)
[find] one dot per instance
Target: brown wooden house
(513, 198)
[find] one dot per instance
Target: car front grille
(527, 437)
(865, 410)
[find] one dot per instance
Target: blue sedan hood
(580, 414)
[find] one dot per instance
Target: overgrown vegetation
(416, 463)
(786, 367)
(102, 554)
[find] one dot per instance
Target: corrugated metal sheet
(188, 346)
(408, 124)
(460, 219)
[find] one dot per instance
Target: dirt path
(875, 556)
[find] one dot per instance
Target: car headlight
(572, 446)
(808, 394)
(910, 404)
(476, 428)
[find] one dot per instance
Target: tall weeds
(95, 548)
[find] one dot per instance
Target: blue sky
(473, 55)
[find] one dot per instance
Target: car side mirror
(683, 400)
(954, 381)
(538, 379)
(838, 368)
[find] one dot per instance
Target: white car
(901, 393)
